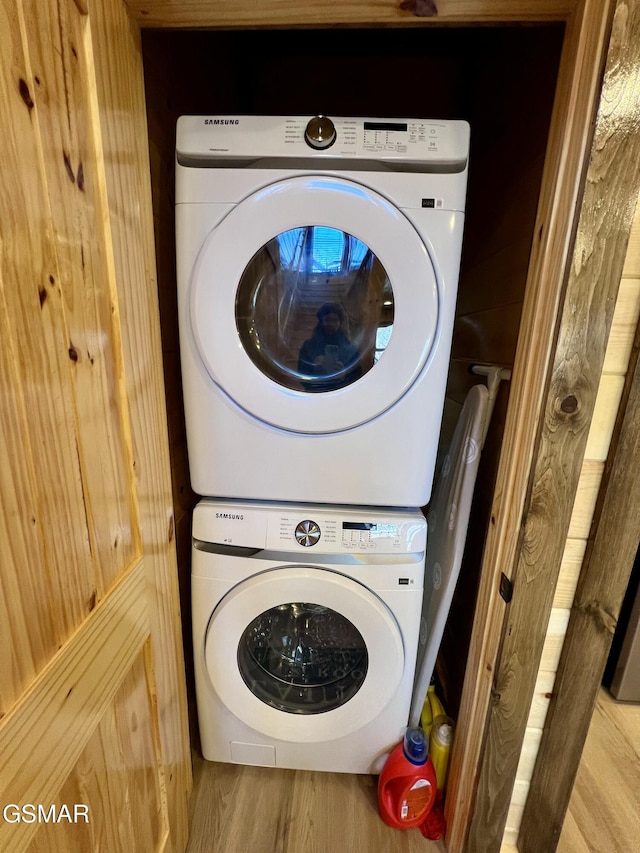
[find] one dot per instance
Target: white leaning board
(448, 520)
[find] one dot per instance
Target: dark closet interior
(500, 79)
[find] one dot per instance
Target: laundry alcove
(501, 79)
(94, 690)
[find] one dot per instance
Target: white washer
(317, 265)
(305, 628)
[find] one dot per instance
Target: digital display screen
(384, 125)
(377, 530)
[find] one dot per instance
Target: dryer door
(303, 654)
(314, 304)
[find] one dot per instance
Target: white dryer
(305, 629)
(317, 265)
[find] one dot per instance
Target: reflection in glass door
(314, 309)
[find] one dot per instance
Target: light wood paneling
(623, 324)
(115, 792)
(585, 499)
(552, 647)
(569, 572)
(540, 704)
(632, 261)
(86, 546)
(44, 514)
(42, 739)
(530, 746)
(289, 13)
(94, 347)
(604, 416)
(120, 115)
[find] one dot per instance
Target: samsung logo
(231, 516)
(222, 121)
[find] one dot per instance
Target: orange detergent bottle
(407, 785)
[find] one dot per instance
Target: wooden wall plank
(612, 548)
(36, 350)
(62, 96)
(569, 572)
(623, 325)
(121, 127)
(75, 688)
(290, 13)
(539, 706)
(604, 416)
(567, 154)
(632, 261)
(31, 615)
(599, 254)
(601, 588)
(589, 478)
(51, 575)
(68, 505)
(117, 778)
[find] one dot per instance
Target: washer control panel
(348, 532)
(278, 527)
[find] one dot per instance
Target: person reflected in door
(328, 360)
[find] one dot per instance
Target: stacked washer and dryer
(317, 264)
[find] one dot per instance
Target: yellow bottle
(440, 747)
(437, 709)
(426, 717)
(431, 709)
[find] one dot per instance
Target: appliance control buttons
(320, 132)
(307, 533)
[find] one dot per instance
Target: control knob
(307, 533)
(320, 132)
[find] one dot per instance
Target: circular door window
(246, 300)
(302, 658)
(301, 653)
(314, 309)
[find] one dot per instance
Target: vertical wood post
(598, 258)
(612, 548)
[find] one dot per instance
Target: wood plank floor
(238, 809)
(235, 809)
(604, 811)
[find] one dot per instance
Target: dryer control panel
(303, 528)
(415, 144)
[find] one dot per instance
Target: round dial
(320, 132)
(307, 533)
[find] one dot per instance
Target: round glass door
(314, 304)
(302, 653)
(302, 658)
(314, 309)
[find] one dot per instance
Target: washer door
(314, 304)
(303, 654)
